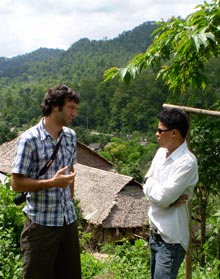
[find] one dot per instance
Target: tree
(205, 141)
(179, 50)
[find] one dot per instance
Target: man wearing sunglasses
(49, 240)
(169, 185)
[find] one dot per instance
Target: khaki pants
(50, 252)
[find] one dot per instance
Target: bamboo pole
(194, 110)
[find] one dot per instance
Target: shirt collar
(178, 151)
(43, 132)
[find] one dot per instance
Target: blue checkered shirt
(54, 206)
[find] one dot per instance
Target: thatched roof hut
(110, 199)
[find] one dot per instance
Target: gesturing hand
(61, 179)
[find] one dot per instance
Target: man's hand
(61, 179)
(181, 200)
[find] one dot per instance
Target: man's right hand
(62, 180)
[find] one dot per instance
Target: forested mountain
(84, 58)
(13, 67)
(111, 107)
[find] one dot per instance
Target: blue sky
(27, 25)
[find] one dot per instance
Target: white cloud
(27, 25)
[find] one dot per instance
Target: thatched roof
(7, 153)
(85, 156)
(129, 211)
(110, 199)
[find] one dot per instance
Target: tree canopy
(179, 50)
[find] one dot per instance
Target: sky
(27, 25)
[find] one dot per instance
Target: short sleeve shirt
(54, 206)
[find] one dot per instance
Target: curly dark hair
(56, 96)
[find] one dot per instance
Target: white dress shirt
(167, 179)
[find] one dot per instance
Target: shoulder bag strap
(50, 161)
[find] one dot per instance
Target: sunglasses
(160, 131)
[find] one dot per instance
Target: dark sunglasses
(160, 131)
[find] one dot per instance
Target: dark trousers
(50, 252)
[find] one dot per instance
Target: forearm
(159, 194)
(168, 194)
(20, 183)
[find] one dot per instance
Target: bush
(90, 265)
(11, 223)
(10, 259)
(128, 261)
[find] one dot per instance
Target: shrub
(128, 261)
(90, 265)
(11, 223)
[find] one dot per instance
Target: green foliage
(6, 134)
(205, 143)
(129, 156)
(11, 222)
(179, 50)
(10, 259)
(128, 261)
(211, 271)
(211, 248)
(90, 265)
(86, 136)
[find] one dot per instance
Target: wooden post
(188, 258)
(218, 251)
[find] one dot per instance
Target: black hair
(175, 119)
(56, 96)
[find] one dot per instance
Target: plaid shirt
(49, 207)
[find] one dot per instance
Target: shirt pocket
(69, 154)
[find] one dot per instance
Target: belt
(155, 235)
